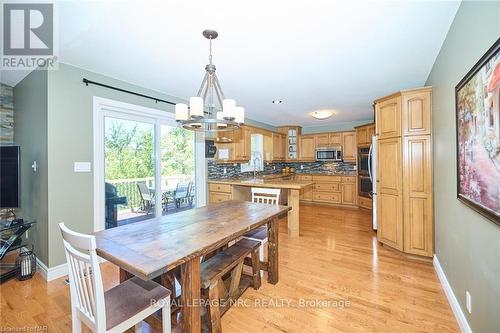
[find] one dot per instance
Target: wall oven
(363, 160)
(364, 186)
(332, 154)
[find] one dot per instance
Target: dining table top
(152, 247)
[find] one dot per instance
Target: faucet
(255, 159)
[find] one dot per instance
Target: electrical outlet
(274, 167)
(302, 167)
(468, 301)
(224, 171)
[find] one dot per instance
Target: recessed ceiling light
(322, 114)
(277, 101)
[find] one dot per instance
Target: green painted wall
(30, 132)
(467, 245)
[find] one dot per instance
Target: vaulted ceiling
(312, 55)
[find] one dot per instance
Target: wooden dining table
(151, 248)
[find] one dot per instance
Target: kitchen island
(239, 189)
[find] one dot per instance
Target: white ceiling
(313, 55)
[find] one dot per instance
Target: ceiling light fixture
(202, 114)
(322, 114)
(277, 101)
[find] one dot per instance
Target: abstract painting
(477, 99)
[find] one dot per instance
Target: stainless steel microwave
(332, 154)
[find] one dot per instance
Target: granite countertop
(328, 173)
(264, 182)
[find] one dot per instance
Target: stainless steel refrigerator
(372, 172)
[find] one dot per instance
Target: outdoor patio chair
(147, 202)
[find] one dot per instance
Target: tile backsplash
(232, 170)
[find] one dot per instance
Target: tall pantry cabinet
(404, 173)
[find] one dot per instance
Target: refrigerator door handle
(370, 163)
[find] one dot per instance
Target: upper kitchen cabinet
(292, 134)
(322, 140)
(307, 148)
(234, 146)
(279, 141)
(388, 117)
(416, 112)
(349, 149)
(335, 139)
(407, 112)
(364, 134)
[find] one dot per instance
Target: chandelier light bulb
(196, 107)
(181, 111)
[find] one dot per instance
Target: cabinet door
(388, 118)
(283, 146)
(322, 140)
(307, 149)
(362, 135)
(389, 193)
(349, 194)
(417, 194)
(370, 131)
(278, 148)
(268, 147)
(216, 197)
(349, 146)
(416, 109)
(335, 139)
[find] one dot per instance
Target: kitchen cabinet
(307, 148)
(242, 141)
(388, 118)
(404, 173)
(335, 139)
(219, 193)
(364, 134)
(334, 189)
(292, 135)
(349, 148)
(389, 192)
(417, 195)
(416, 112)
(322, 140)
(279, 147)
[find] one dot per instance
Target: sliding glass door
(149, 168)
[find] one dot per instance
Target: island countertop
(262, 182)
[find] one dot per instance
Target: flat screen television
(9, 176)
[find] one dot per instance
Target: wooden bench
(216, 268)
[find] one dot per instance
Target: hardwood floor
(336, 258)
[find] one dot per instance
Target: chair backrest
(269, 196)
(182, 190)
(144, 191)
(85, 282)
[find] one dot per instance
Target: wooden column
(273, 263)
(293, 215)
(190, 296)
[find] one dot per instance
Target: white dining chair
(270, 196)
(116, 310)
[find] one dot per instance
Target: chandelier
(202, 114)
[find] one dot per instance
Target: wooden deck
(336, 260)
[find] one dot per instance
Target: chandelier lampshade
(204, 114)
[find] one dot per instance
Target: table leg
(124, 275)
(190, 296)
(293, 215)
(273, 261)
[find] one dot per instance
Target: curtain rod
(87, 82)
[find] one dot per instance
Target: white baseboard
(52, 273)
(452, 299)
